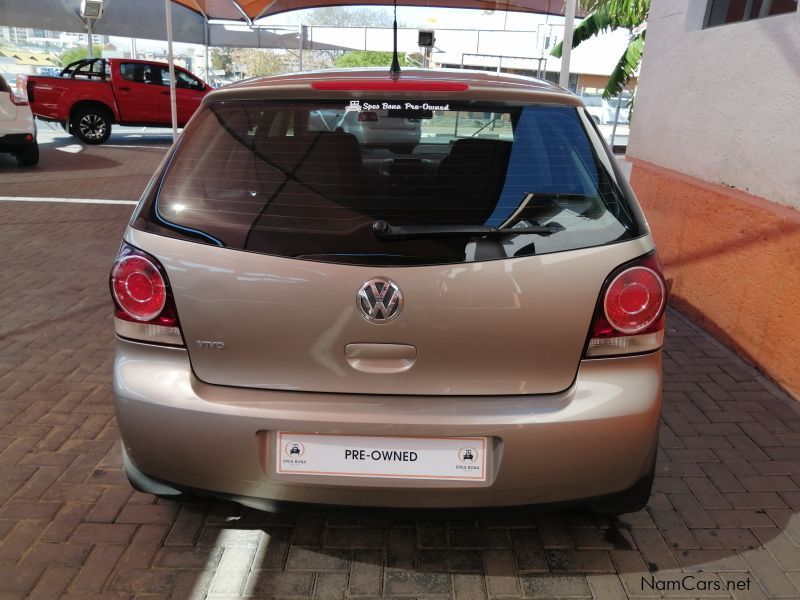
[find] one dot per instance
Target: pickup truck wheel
(29, 156)
(91, 125)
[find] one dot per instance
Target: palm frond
(626, 67)
(629, 12)
(597, 22)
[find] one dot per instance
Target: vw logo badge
(379, 300)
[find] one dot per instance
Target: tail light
(17, 101)
(629, 318)
(144, 308)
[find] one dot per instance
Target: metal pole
(89, 33)
(302, 36)
(616, 120)
(566, 46)
(172, 98)
(208, 68)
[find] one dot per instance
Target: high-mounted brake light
(384, 85)
(144, 307)
(629, 318)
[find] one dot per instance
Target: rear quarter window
(309, 180)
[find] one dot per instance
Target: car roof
(377, 83)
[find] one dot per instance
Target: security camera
(91, 9)
(426, 39)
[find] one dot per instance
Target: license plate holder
(383, 457)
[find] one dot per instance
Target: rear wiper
(385, 231)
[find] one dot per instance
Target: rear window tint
(310, 179)
(4, 87)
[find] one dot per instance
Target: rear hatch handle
(380, 358)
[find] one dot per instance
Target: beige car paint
(489, 327)
(483, 349)
(595, 438)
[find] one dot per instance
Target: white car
(595, 107)
(17, 127)
(382, 128)
(604, 112)
(610, 107)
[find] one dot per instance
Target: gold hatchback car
(462, 309)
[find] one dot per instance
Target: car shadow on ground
(521, 551)
(54, 158)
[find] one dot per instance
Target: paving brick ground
(724, 509)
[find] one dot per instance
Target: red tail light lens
(145, 309)
(629, 318)
(634, 300)
(17, 101)
(139, 288)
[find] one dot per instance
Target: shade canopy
(145, 18)
(250, 10)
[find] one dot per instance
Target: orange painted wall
(733, 261)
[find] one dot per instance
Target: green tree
(367, 58)
(73, 54)
(609, 15)
(222, 60)
(255, 62)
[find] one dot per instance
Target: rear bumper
(13, 142)
(594, 439)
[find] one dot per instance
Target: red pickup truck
(91, 94)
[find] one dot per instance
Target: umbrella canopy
(250, 10)
(145, 18)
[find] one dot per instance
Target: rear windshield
(4, 87)
(451, 182)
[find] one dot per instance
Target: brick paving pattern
(724, 507)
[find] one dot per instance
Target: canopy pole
(172, 99)
(566, 46)
(89, 35)
(300, 53)
(208, 71)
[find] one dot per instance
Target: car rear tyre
(92, 125)
(29, 156)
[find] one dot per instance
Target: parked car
(17, 127)
(595, 107)
(380, 127)
(478, 322)
(91, 94)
